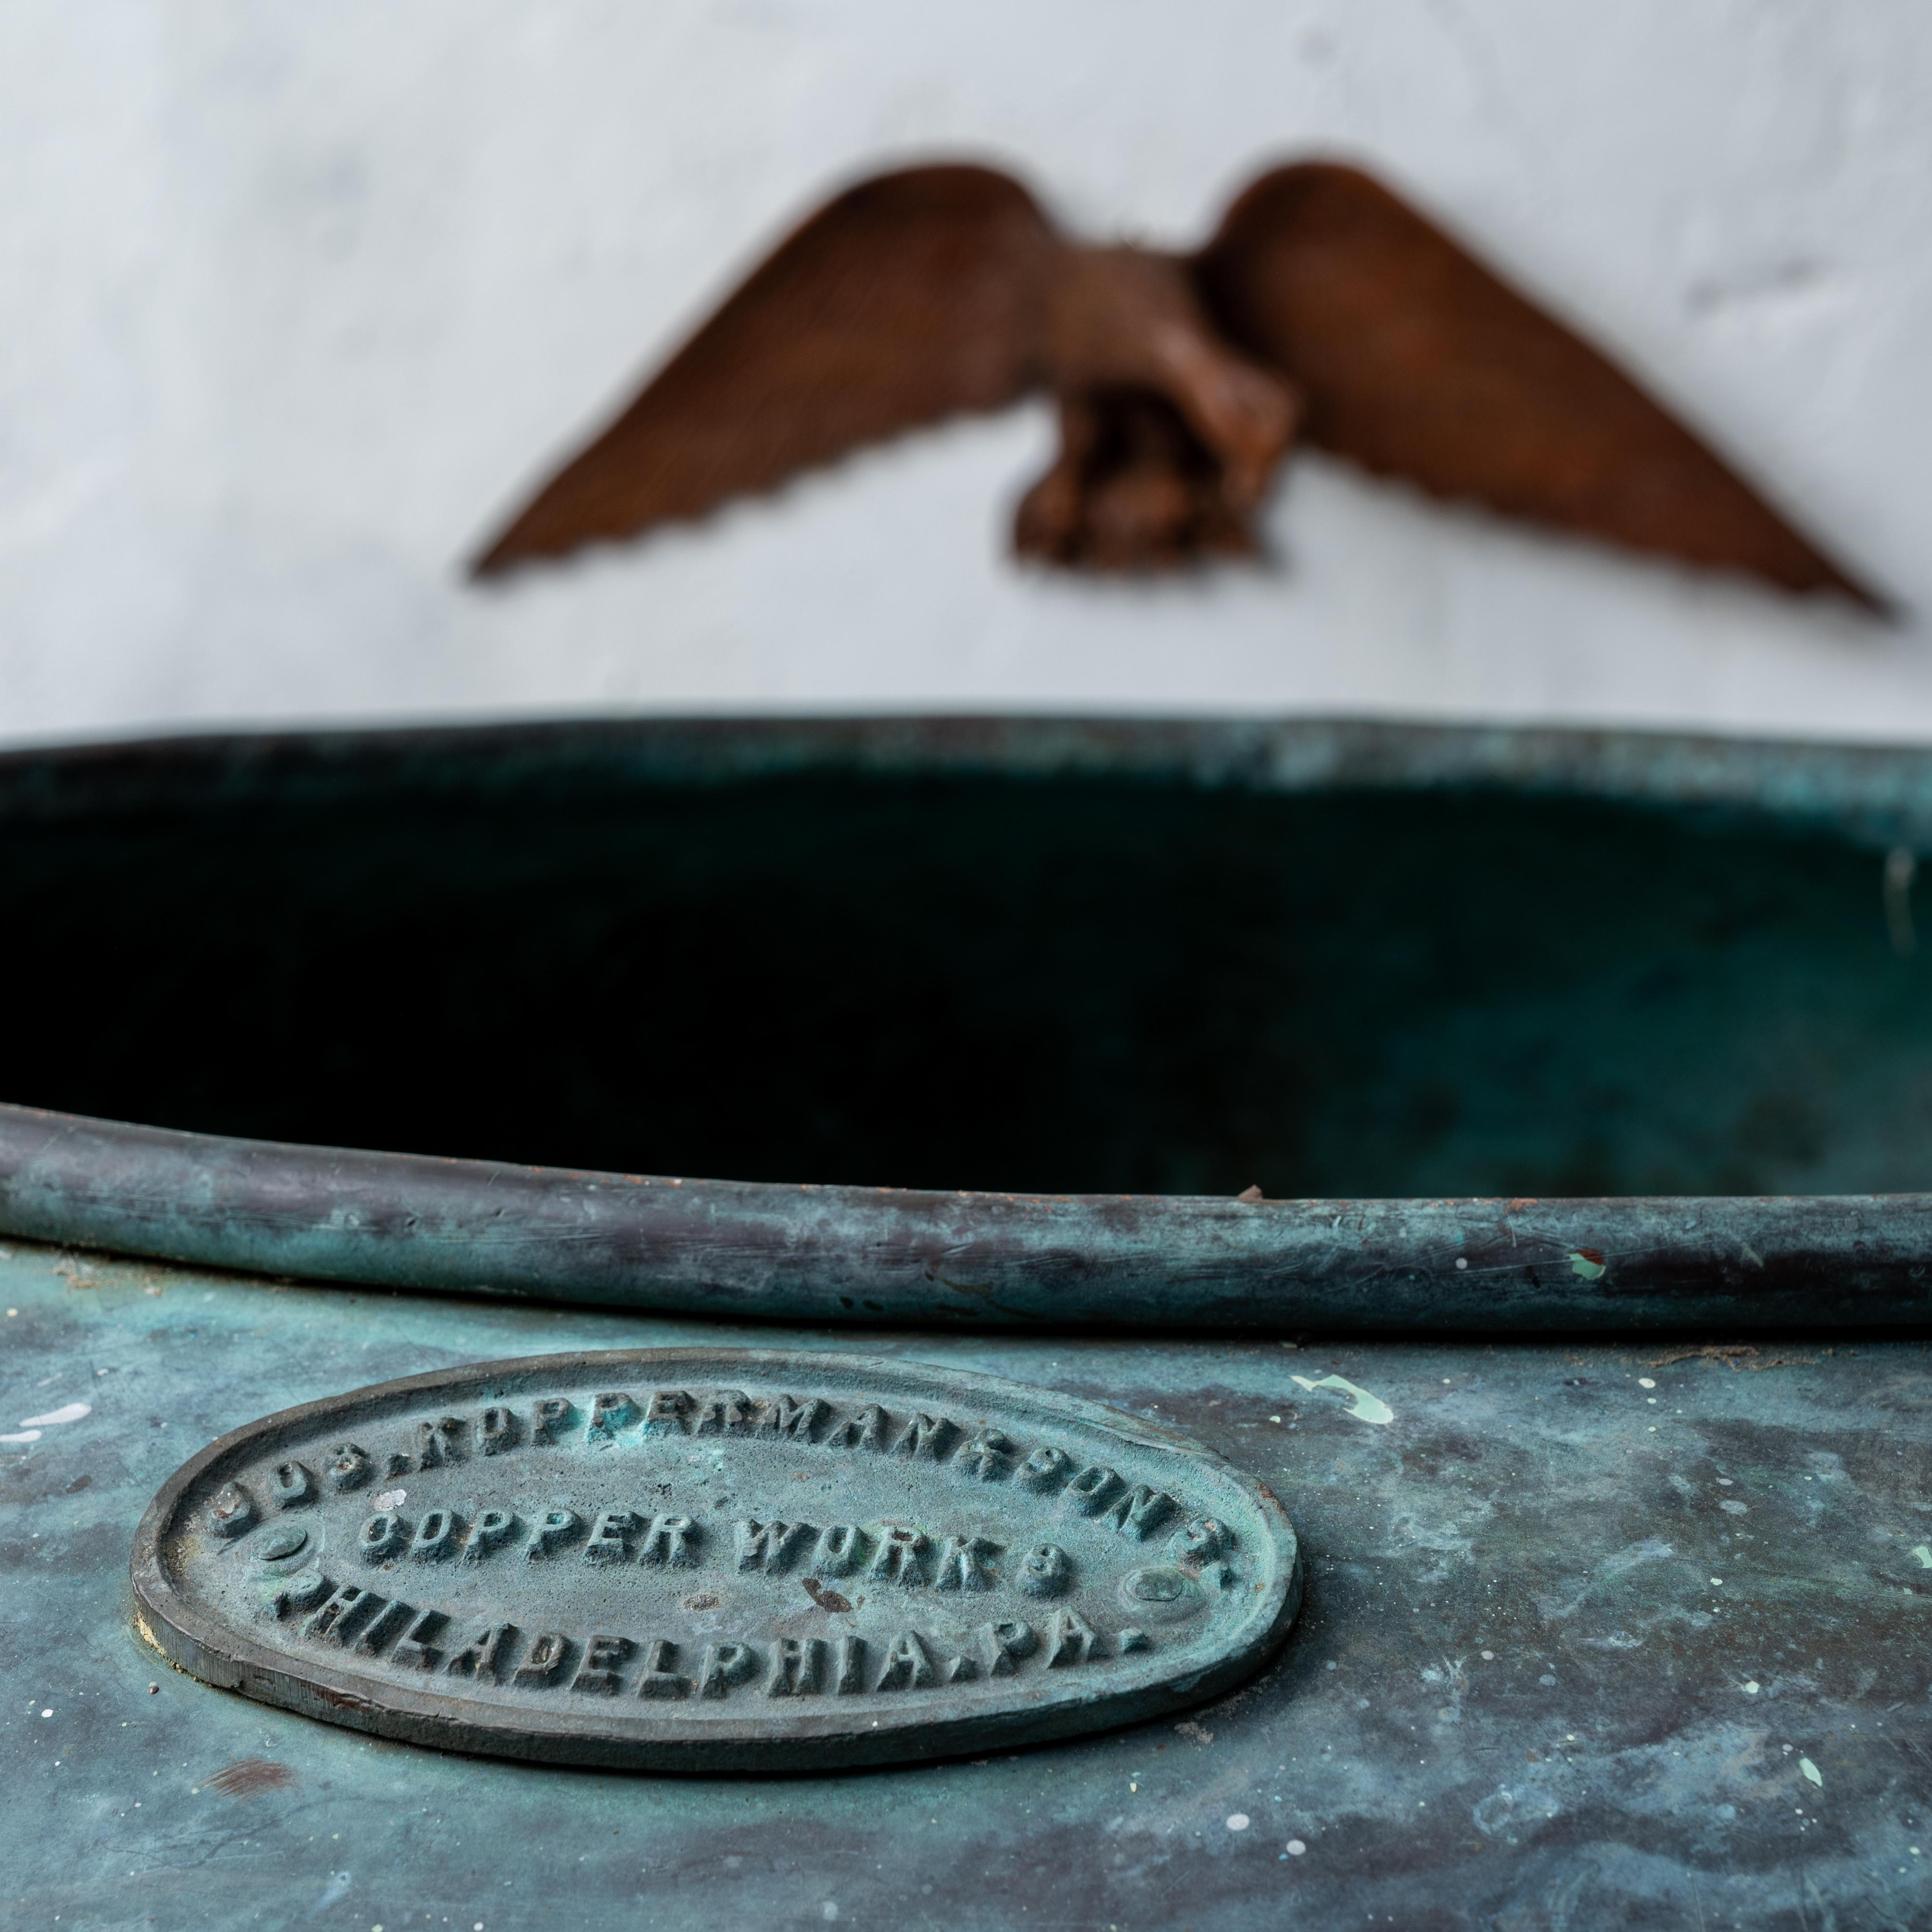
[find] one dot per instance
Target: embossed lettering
(390, 1620)
(232, 1510)
(671, 1540)
(667, 1411)
(863, 1428)
(484, 1655)
(493, 1528)
(988, 1457)
(724, 1665)
(347, 1608)
(902, 1575)
(1089, 1492)
(603, 1659)
(1199, 1542)
(416, 1652)
(962, 1563)
(724, 1412)
(1003, 1644)
(544, 1663)
(301, 1592)
(660, 1679)
(1045, 1469)
(797, 1662)
(908, 1664)
(609, 1540)
(497, 1429)
(927, 1437)
(550, 1532)
(435, 1539)
(1045, 1570)
(609, 1414)
(782, 1416)
(383, 1535)
(841, 1549)
(349, 1466)
(900, 1557)
(770, 1546)
(1070, 1639)
(848, 1667)
(1139, 1511)
(437, 1442)
(551, 1417)
(291, 1485)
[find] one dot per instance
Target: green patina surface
(1597, 1633)
(1110, 975)
(1330, 961)
(1637, 1746)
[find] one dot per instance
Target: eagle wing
(1419, 362)
(911, 296)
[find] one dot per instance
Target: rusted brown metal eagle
(1326, 311)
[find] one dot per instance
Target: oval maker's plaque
(710, 1559)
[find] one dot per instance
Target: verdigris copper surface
(988, 1021)
(858, 1255)
(1578, 1615)
(691, 1559)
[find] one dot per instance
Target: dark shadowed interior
(1081, 982)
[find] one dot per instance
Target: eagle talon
(1132, 489)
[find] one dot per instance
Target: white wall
(296, 299)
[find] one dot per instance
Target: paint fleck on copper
(248, 1775)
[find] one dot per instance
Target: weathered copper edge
(1873, 794)
(870, 1256)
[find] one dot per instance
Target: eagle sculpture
(1326, 311)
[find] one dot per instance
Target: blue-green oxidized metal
(1511, 1028)
(705, 1560)
(1576, 1616)
(862, 1255)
